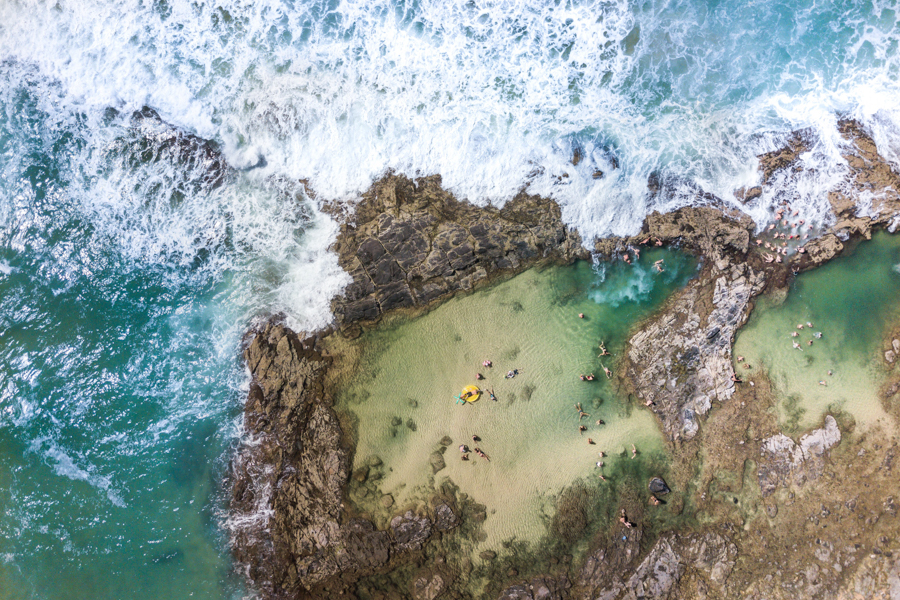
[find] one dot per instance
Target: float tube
(470, 393)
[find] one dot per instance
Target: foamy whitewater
(128, 272)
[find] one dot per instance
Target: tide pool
(402, 394)
(850, 301)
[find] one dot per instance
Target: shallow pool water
(849, 301)
(403, 395)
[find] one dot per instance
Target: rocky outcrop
(705, 559)
(679, 362)
(706, 230)
(287, 512)
(411, 242)
(785, 462)
(159, 141)
(621, 571)
(871, 195)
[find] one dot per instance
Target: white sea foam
(493, 95)
(65, 466)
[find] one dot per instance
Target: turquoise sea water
(128, 272)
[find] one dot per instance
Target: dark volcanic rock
(411, 242)
(658, 486)
(287, 508)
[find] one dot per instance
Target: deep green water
(851, 300)
(115, 388)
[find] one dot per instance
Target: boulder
(658, 486)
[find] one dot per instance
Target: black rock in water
(658, 486)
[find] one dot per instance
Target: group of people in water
(794, 334)
(464, 449)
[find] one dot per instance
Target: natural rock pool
(399, 395)
(851, 301)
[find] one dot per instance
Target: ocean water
(130, 264)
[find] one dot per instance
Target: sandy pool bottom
(850, 301)
(402, 393)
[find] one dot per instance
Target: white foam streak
(65, 466)
(494, 95)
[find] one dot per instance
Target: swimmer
(645, 241)
(580, 315)
(601, 422)
(809, 343)
(581, 377)
(600, 463)
(582, 428)
(601, 454)
(581, 413)
(795, 334)
(463, 448)
(658, 242)
(649, 403)
(475, 438)
(607, 371)
(487, 363)
(740, 359)
(509, 375)
(808, 324)
(830, 373)
(800, 326)
(633, 451)
(479, 376)
(465, 457)
(603, 351)
(590, 377)
(602, 477)
(797, 346)
(654, 500)
(493, 397)
(823, 383)
(736, 379)
(818, 335)
(590, 442)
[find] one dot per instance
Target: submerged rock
(658, 486)
(436, 460)
(785, 462)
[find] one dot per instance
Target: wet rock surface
(783, 461)
(411, 242)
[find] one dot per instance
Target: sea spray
(494, 96)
